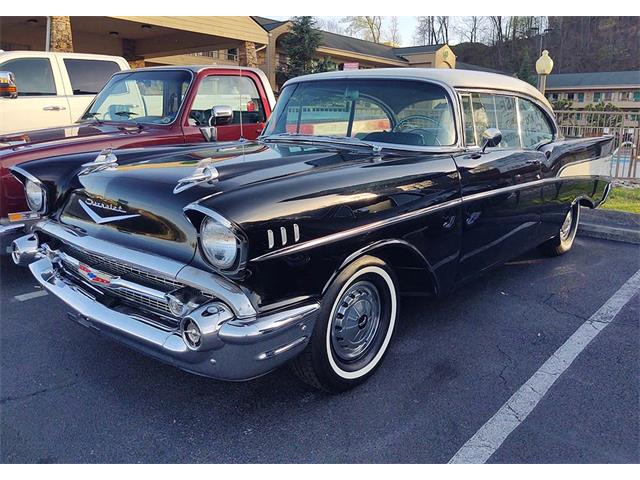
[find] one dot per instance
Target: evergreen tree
(300, 46)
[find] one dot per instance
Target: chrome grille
(126, 272)
(121, 269)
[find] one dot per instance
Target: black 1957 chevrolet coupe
(231, 260)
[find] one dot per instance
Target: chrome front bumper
(8, 233)
(233, 348)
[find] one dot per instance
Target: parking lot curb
(610, 225)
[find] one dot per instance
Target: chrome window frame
(452, 97)
(548, 114)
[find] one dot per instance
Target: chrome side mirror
(221, 115)
(491, 137)
(8, 86)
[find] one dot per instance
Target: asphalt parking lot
(69, 396)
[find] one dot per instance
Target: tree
(393, 32)
(525, 72)
(368, 28)
(442, 26)
(329, 25)
(471, 29)
(300, 45)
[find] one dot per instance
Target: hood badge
(88, 203)
(206, 174)
(105, 160)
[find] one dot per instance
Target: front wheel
(563, 242)
(354, 327)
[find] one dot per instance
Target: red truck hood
(52, 137)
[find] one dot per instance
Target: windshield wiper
(125, 113)
(93, 116)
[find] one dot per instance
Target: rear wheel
(354, 327)
(563, 242)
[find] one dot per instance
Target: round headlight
(219, 244)
(35, 196)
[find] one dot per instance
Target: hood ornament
(105, 160)
(200, 175)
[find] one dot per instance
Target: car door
(83, 79)
(500, 186)
(40, 103)
(240, 93)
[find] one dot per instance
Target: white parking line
(31, 295)
(492, 434)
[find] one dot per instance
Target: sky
(407, 28)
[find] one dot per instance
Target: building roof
(454, 78)
(357, 45)
(593, 79)
(267, 23)
(477, 68)
(418, 49)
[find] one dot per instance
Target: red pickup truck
(140, 108)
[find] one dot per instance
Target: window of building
(580, 97)
(608, 96)
(34, 76)
(239, 93)
(636, 96)
(570, 96)
(597, 96)
(89, 76)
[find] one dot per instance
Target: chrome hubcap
(356, 321)
(565, 230)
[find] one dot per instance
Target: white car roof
(454, 78)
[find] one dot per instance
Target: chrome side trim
(408, 216)
(356, 231)
(209, 282)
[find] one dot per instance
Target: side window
(467, 113)
(319, 113)
(34, 76)
(239, 93)
(496, 111)
(534, 125)
(89, 76)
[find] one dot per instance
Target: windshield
(400, 112)
(141, 97)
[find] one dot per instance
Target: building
(621, 89)
(142, 41)
(350, 52)
(247, 41)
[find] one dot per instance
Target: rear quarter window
(89, 76)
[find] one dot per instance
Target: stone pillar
(129, 53)
(247, 56)
(61, 39)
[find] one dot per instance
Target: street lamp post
(544, 65)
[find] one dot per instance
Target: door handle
(53, 108)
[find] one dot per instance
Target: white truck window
(89, 76)
(34, 76)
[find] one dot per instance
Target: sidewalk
(610, 225)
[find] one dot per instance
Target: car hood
(76, 133)
(152, 215)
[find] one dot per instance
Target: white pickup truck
(52, 88)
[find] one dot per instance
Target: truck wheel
(355, 324)
(563, 242)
